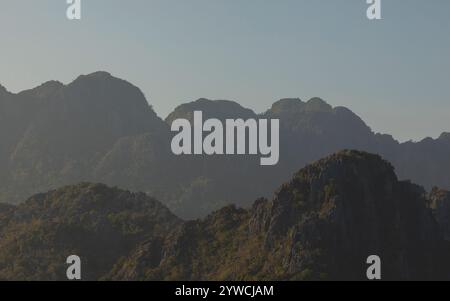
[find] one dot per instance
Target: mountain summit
(55, 133)
(221, 109)
(323, 224)
(3, 90)
(98, 223)
(100, 128)
(46, 90)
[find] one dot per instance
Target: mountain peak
(311, 230)
(445, 136)
(103, 86)
(52, 84)
(291, 101)
(291, 106)
(210, 102)
(357, 162)
(3, 90)
(99, 75)
(286, 107)
(46, 89)
(329, 203)
(220, 109)
(95, 77)
(98, 216)
(319, 105)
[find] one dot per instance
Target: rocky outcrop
(342, 209)
(97, 223)
(323, 224)
(440, 204)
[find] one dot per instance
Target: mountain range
(101, 129)
(322, 224)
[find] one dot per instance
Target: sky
(394, 73)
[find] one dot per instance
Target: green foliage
(97, 223)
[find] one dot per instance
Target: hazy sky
(394, 73)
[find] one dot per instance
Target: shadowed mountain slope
(101, 129)
(321, 225)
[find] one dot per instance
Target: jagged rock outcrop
(323, 224)
(97, 223)
(440, 204)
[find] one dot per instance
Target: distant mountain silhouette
(54, 134)
(101, 129)
(320, 225)
(220, 109)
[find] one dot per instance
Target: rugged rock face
(346, 207)
(440, 204)
(321, 225)
(97, 223)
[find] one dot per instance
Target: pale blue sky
(394, 73)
